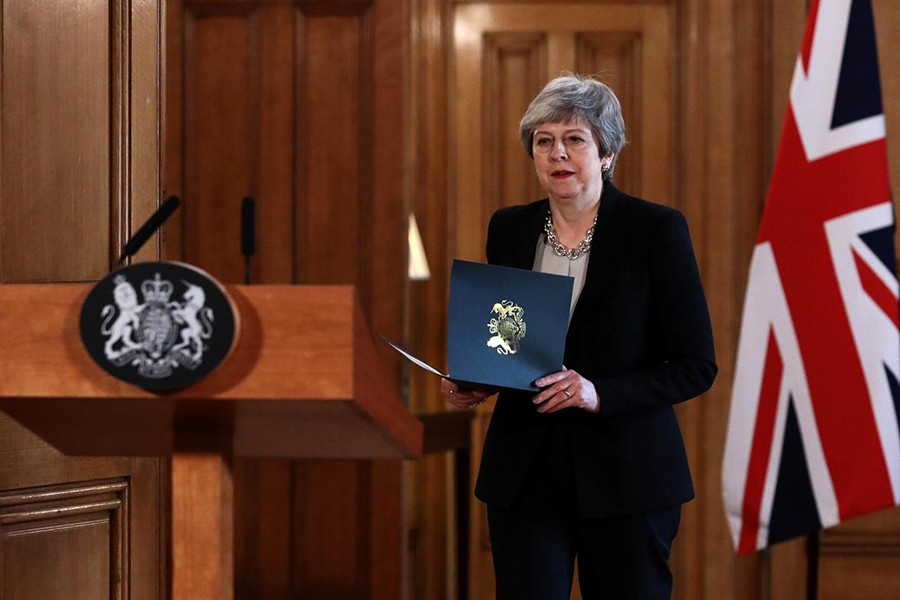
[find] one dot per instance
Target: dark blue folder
(506, 327)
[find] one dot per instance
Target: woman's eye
(542, 141)
(575, 139)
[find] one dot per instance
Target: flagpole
(812, 566)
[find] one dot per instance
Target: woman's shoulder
(519, 217)
(639, 208)
(521, 212)
(636, 217)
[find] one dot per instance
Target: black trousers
(535, 542)
(619, 558)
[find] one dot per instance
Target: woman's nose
(558, 152)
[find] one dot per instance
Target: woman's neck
(571, 220)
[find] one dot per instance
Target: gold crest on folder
(508, 327)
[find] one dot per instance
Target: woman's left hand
(566, 389)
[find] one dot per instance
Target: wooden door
(300, 105)
(79, 141)
(504, 54)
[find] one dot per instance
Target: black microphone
(248, 234)
(155, 221)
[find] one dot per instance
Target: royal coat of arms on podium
(159, 325)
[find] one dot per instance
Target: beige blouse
(548, 261)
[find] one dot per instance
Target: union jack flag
(813, 434)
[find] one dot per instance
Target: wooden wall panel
(430, 516)
(334, 165)
(65, 542)
(615, 57)
(513, 66)
(263, 538)
(868, 576)
(56, 114)
(220, 134)
(348, 512)
(329, 563)
(232, 133)
(712, 173)
(312, 94)
(887, 32)
(861, 559)
(80, 145)
(35, 579)
(27, 468)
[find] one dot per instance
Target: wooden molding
(83, 521)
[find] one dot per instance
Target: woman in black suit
(594, 465)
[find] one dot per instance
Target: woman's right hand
(463, 398)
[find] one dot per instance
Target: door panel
(504, 54)
(79, 122)
(81, 528)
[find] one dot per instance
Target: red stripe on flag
(761, 447)
(877, 291)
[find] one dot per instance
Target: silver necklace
(583, 247)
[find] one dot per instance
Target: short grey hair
(572, 98)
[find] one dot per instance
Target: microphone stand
(155, 221)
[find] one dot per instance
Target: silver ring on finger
(567, 393)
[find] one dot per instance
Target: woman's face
(567, 161)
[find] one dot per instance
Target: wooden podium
(302, 382)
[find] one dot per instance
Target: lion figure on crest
(125, 323)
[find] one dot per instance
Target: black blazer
(641, 333)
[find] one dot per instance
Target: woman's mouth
(561, 174)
